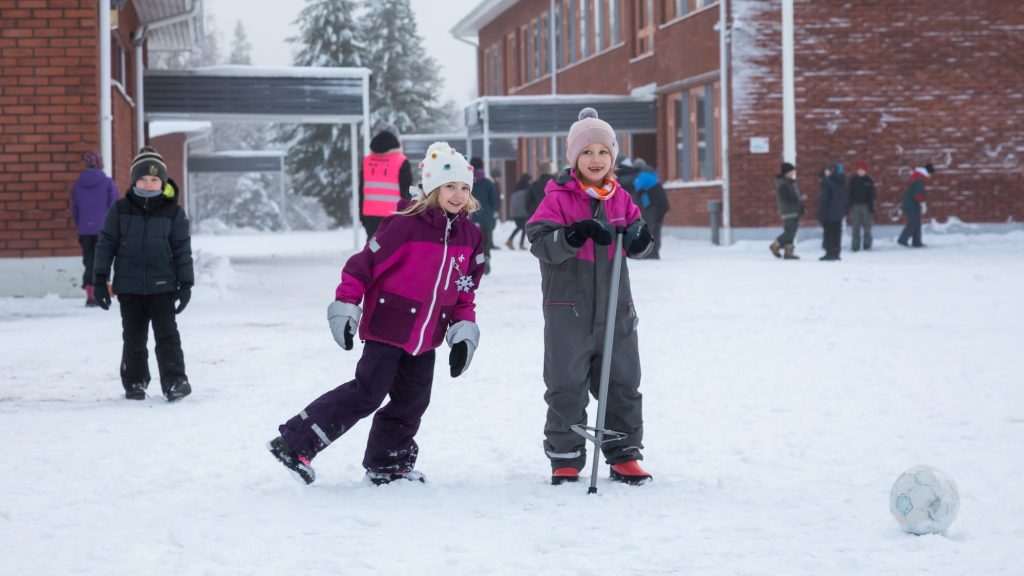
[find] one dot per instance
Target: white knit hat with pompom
(444, 164)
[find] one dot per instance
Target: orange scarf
(606, 190)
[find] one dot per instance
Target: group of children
(411, 288)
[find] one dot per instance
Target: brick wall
(49, 116)
(896, 84)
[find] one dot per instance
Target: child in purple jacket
(416, 279)
(91, 197)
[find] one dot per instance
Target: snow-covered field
(782, 400)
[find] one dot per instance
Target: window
(598, 26)
(696, 123)
(538, 49)
(679, 8)
(584, 29)
(118, 61)
(559, 52)
(574, 6)
(527, 54)
(613, 21)
(512, 62)
(643, 27)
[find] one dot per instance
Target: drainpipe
(788, 89)
(723, 51)
(190, 203)
(554, 73)
(106, 114)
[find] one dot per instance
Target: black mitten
(579, 232)
(457, 358)
(638, 237)
(183, 295)
(101, 293)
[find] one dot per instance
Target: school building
(894, 83)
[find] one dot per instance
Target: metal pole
(487, 141)
(354, 204)
(723, 49)
(106, 115)
(788, 88)
(606, 355)
(140, 99)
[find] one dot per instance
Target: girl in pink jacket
(416, 280)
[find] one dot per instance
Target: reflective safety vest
(380, 183)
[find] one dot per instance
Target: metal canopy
(530, 116)
(237, 162)
(259, 94)
(291, 95)
(415, 145)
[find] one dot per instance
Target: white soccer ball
(924, 500)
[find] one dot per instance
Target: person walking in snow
(791, 208)
(91, 197)
(146, 238)
(915, 206)
(416, 279)
(384, 179)
(832, 206)
(862, 207)
(517, 206)
(488, 200)
(650, 196)
(573, 234)
(535, 194)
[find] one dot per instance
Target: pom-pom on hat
(149, 162)
(93, 160)
(589, 130)
(444, 164)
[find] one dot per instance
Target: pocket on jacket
(444, 320)
(626, 319)
(393, 317)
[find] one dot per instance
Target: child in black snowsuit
(146, 238)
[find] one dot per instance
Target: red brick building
(50, 105)
(51, 113)
(895, 83)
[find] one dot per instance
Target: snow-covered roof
(181, 33)
(164, 127)
(482, 15)
(243, 71)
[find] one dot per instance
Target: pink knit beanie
(589, 130)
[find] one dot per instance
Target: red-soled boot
(630, 473)
(563, 475)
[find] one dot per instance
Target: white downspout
(723, 51)
(788, 90)
(106, 113)
(190, 203)
(554, 74)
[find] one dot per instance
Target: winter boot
(789, 253)
(298, 465)
(90, 297)
(177, 390)
(509, 244)
(775, 249)
(563, 475)
(135, 390)
(379, 477)
(630, 473)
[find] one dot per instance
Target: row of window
(694, 122)
(582, 28)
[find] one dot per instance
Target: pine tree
(240, 47)
(319, 157)
(405, 83)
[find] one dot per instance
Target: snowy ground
(782, 400)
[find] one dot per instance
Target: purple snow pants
(383, 370)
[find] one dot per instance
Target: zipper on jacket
(447, 280)
(437, 283)
(145, 251)
(570, 304)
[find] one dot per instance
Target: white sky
(268, 23)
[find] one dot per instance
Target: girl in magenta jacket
(416, 280)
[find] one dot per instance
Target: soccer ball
(924, 500)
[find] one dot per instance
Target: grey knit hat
(149, 162)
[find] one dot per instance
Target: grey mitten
(463, 337)
(344, 320)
